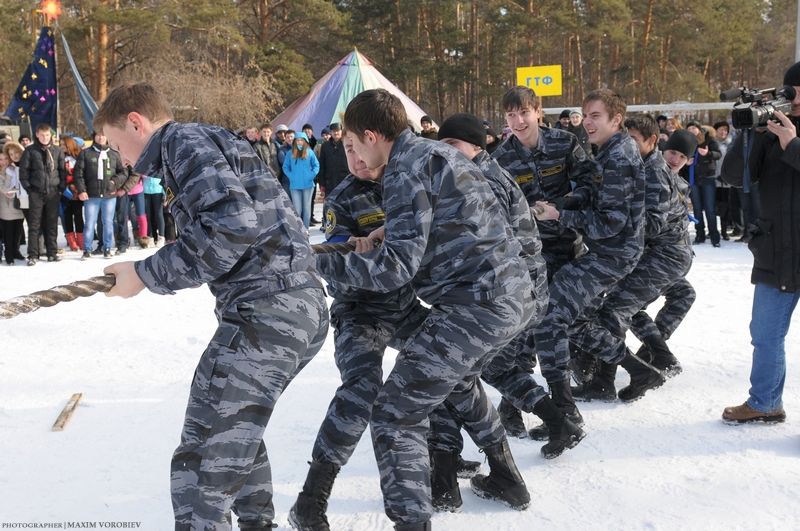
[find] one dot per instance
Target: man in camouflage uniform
(240, 235)
(547, 164)
(678, 300)
(507, 370)
(612, 223)
(467, 134)
(666, 258)
(445, 235)
(365, 322)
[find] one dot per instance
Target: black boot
(308, 512)
(504, 482)
(511, 419)
(256, 526)
(663, 359)
(562, 396)
(643, 378)
(601, 387)
(645, 354)
(444, 482)
(424, 526)
(582, 365)
(563, 433)
(466, 469)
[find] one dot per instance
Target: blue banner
(88, 105)
(35, 98)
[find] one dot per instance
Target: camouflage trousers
(678, 300)
(510, 372)
(221, 462)
(659, 267)
(575, 288)
(442, 362)
(361, 337)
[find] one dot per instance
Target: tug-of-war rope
(90, 286)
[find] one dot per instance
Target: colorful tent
(330, 95)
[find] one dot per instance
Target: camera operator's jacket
(775, 240)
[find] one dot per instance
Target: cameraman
(774, 164)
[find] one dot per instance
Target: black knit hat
(564, 114)
(792, 76)
(682, 141)
(466, 127)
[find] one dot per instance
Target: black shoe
(86, 255)
(562, 396)
(424, 526)
(725, 236)
(122, 250)
(10, 262)
(466, 469)
(744, 239)
(18, 256)
(601, 387)
(715, 244)
(107, 253)
(643, 378)
(31, 261)
(511, 419)
(53, 258)
(663, 359)
(256, 526)
(699, 239)
(445, 495)
(504, 482)
(562, 433)
(308, 512)
(736, 232)
(98, 251)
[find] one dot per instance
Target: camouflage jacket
(515, 207)
(666, 213)
(354, 209)
(550, 171)
(613, 222)
(238, 230)
(521, 222)
(444, 231)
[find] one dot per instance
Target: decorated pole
(87, 288)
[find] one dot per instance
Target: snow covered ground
(664, 462)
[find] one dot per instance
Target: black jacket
(332, 165)
(42, 169)
(85, 174)
(706, 165)
(775, 240)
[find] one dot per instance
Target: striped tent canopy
(329, 96)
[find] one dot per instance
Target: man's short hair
(376, 110)
(644, 123)
(520, 97)
(612, 101)
(426, 119)
(142, 98)
(726, 125)
(43, 127)
(265, 126)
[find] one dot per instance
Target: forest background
(240, 62)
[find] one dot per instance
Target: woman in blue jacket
(301, 167)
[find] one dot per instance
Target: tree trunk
(102, 58)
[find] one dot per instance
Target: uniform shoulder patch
(170, 195)
(369, 219)
(522, 179)
(330, 221)
(547, 172)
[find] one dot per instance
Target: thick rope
(87, 288)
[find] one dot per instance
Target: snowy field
(664, 462)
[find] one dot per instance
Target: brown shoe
(744, 413)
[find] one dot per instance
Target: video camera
(754, 108)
